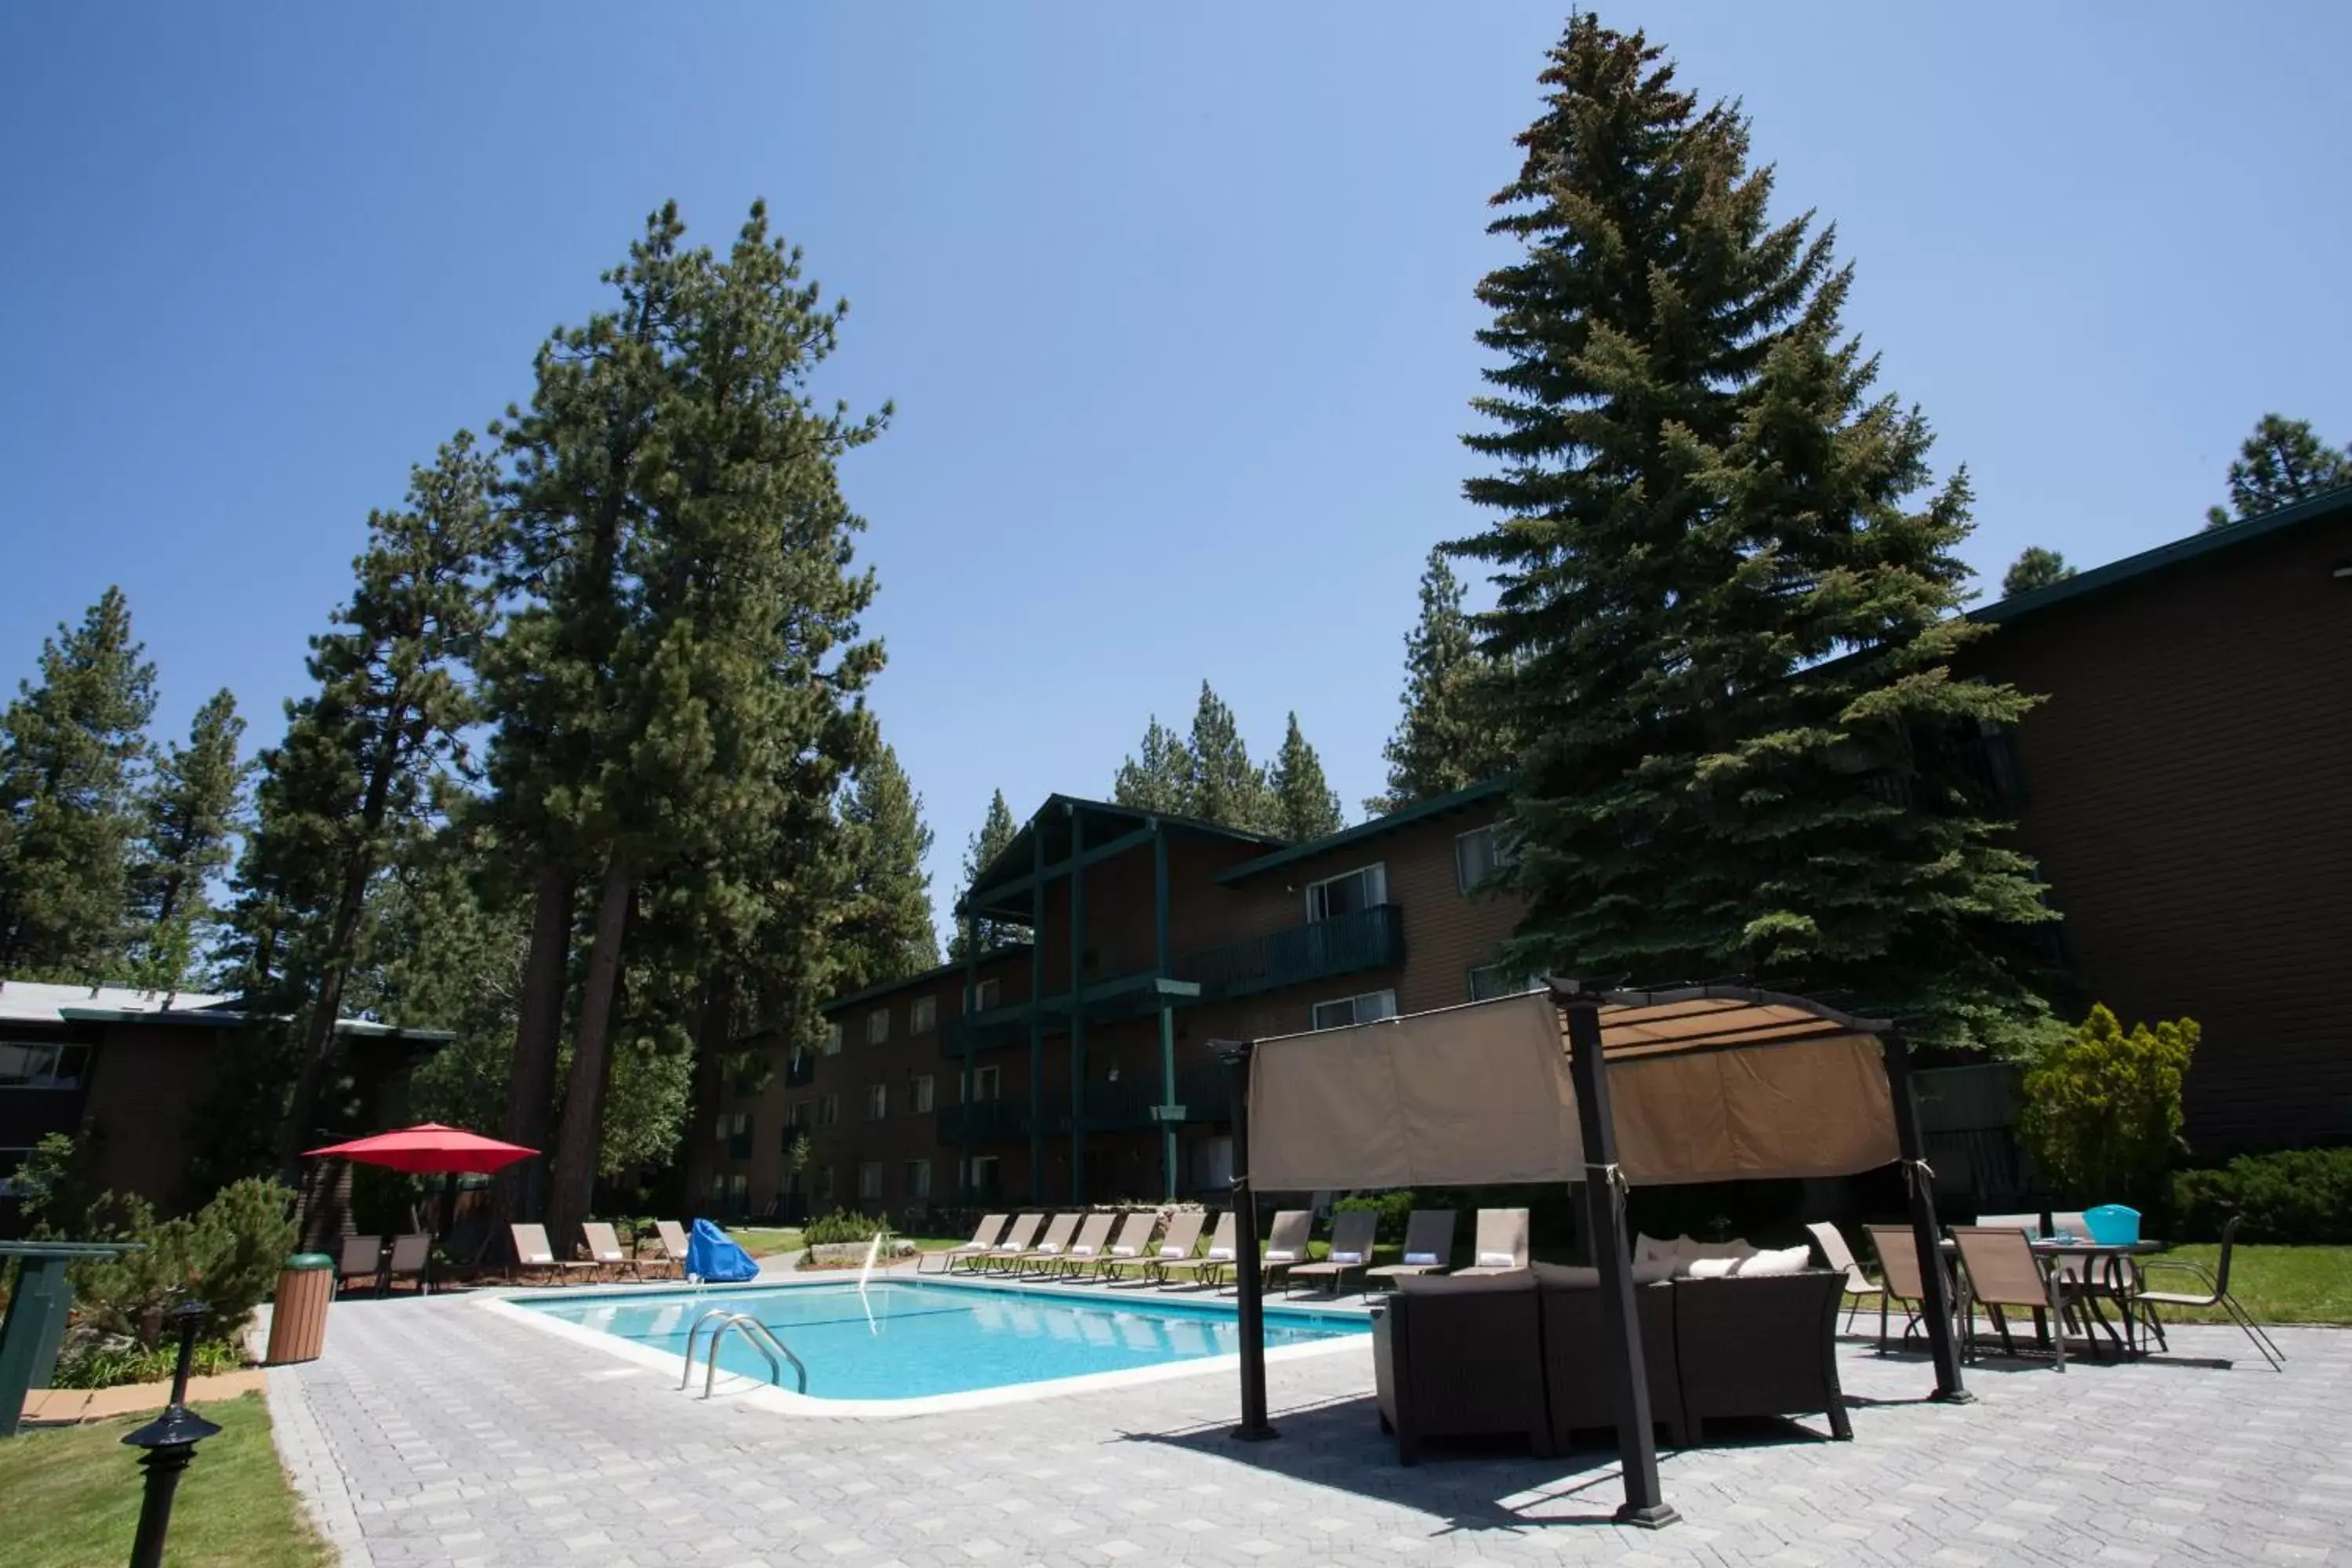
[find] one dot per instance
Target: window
(918, 1178)
(987, 1083)
(985, 995)
(797, 1114)
(824, 1183)
(1357, 891)
(27, 1064)
(833, 1038)
(11, 1162)
(1349, 1010)
(735, 1132)
(869, 1182)
(923, 1016)
(878, 1101)
(979, 1176)
(877, 1026)
(918, 1093)
(1480, 853)
(1491, 979)
(828, 1111)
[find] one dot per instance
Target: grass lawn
(2273, 1284)
(71, 1497)
(765, 1241)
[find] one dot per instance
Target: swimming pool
(901, 1340)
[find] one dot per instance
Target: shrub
(226, 1254)
(841, 1225)
(1395, 1210)
(2301, 1195)
(2102, 1111)
(92, 1365)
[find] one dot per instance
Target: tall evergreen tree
(2034, 567)
(1222, 785)
(996, 834)
(2282, 462)
(1305, 806)
(1446, 740)
(887, 928)
(69, 746)
(191, 807)
(1158, 776)
(1726, 613)
(352, 785)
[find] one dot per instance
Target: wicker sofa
(1525, 1354)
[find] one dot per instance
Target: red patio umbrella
(429, 1148)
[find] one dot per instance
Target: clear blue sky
(1175, 304)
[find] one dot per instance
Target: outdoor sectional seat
(1759, 1346)
(1578, 1380)
(1460, 1358)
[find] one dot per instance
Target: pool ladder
(757, 1334)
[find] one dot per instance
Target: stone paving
(433, 1432)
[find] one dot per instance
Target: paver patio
(434, 1432)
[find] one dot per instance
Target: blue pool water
(903, 1340)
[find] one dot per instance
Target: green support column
(1037, 1018)
(971, 1004)
(1077, 1013)
(1167, 1016)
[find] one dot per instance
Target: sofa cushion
(1785, 1260)
(1707, 1267)
(1576, 1277)
(1514, 1280)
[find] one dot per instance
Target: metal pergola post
(1249, 1288)
(1077, 1008)
(1925, 1234)
(1604, 1205)
(1167, 1018)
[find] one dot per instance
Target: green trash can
(298, 1314)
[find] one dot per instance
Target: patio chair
(1205, 1268)
(409, 1256)
(533, 1251)
(361, 1258)
(1834, 1252)
(2003, 1272)
(1286, 1244)
(1898, 1268)
(984, 1238)
(1087, 1249)
(672, 1237)
(1459, 1357)
(2215, 1294)
(1502, 1243)
(605, 1248)
(1049, 1250)
(1130, 1247)
(1351, 1252)
(1016, 1241)
(1428, 1248)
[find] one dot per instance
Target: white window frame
(922, 1093)
(877, 1102)
(877, 1027)
(1376, 876)
(1506, 985)
(833, 1038)
(971, 1171)
(828, 1111)
(922, 1015)
(822, 1179)
(873, 1169)
(984, 996)
(1501, 852)
(1384, 1006)
(988, 1083)
(918, 1179)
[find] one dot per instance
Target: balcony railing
(983, 1118)
(1204, 1095)
(1367, 939)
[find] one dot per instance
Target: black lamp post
(170, 1441)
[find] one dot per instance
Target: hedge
(2300, 1195)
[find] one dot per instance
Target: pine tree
(996, 834)
(1222, 785)
(68, 748)
(1305, 805)
(1158, 777)
(1447, 740)
(887, 928)
(2034, 567)
(191, 807)
(2282, 462)
(1725, 613)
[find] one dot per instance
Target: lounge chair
(2215, 1294)
(409, 1256)
(1086, 1251)
(1286, 1244)
(1428, 1247)
(1175, 1248)
(1860, 1287)
(1204, 1268)
(1047, 1253)
(1898, 1268)
(1127, 1249)
(361, 1258)
(2003, 1272)
(1502, 1243)
(672, 1237)
(983, 1238)
(533, 1251)
(1017, 1242)
(605, 1248)
(1352, 1251)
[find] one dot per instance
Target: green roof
(1420, 810)
(1014, 862)
(2205, 541)
(929, 976)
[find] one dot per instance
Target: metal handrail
(757, 1334)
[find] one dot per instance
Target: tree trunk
(576, 1135)
(530, 1085)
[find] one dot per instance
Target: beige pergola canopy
(1706, 1086)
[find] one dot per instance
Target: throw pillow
(1708, 1268)
(1785, 1260)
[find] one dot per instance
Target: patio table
(2108, 1260)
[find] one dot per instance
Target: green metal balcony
(1367, 939)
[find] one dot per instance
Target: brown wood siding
(2189, 797)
